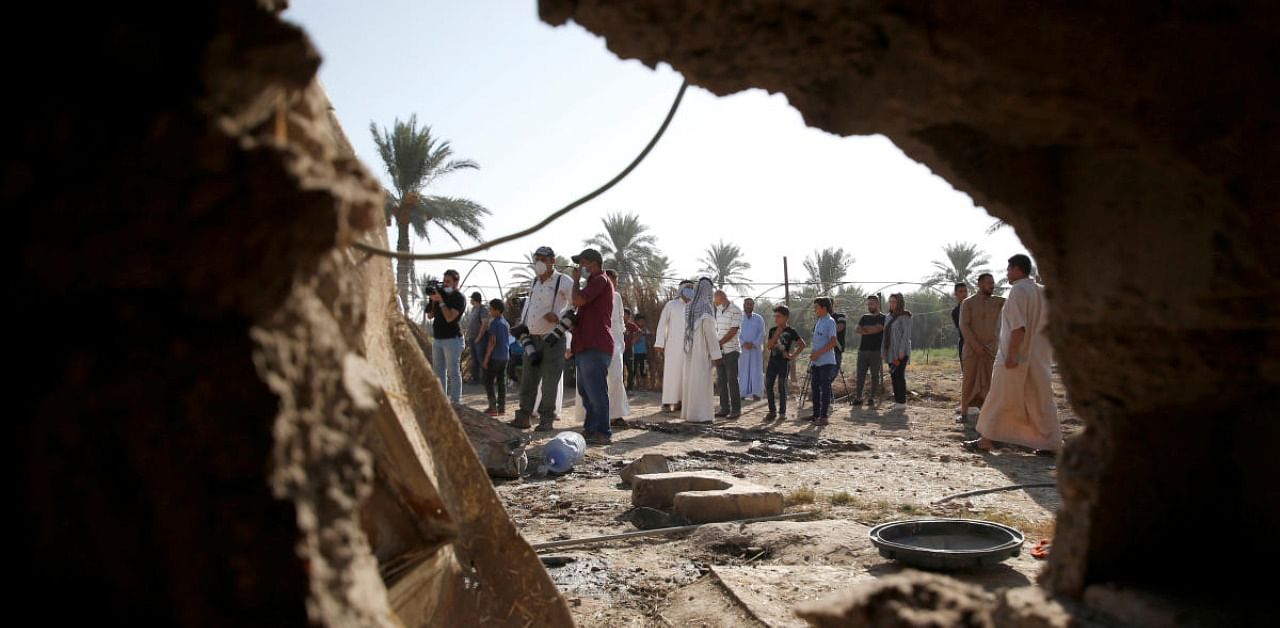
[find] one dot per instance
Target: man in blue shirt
(496, 355)
(822, 361)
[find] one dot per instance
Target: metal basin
(946, 544)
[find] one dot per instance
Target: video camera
(431, 288)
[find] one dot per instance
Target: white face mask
(687, 293)
(447, 289)
(539, 268)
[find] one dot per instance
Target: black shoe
(821, 421)
(545, 426)
(771, 416)
(721, 414)
(521, 422)
(597, 438)
(618, 422)
(666, 407)
(734, 415)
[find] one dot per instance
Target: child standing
(783, 346)
(640, 354)
(495, 360)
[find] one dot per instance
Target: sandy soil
(868, 466)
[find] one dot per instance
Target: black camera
(521, 333)
(567, 320)
(431, 288)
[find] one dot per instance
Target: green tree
(626, 247)
(963, 265)
(827, 269)
(724, 264)
(655, 272)
(414, 159)
(931, 324)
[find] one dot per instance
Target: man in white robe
(751, 364)
(670, 333)
(1020, 408)
(701, 347)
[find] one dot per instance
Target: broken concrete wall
(222, 419)
(1134, 148)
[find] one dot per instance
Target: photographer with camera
(444, 311)
(550, 294)
(593, 343)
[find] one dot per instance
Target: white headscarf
(701, 304)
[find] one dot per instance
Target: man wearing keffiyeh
(702, 351)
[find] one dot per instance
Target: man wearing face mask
(593, 343)
(670, 333)
(549, 294)
(444, 312)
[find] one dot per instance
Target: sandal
(972, 445)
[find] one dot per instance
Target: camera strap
(524, 320)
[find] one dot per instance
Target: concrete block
(705, 496)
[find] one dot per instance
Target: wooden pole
(786, 283)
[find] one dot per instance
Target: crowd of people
(714, 354)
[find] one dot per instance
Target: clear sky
(550, 114)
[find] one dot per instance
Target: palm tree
(415, 159)
(963, 265)
(827, 268)
(522, 276)
(655, 272)
(723, 263)
(626, 247)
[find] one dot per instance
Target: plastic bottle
(564, 451)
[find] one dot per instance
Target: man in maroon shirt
(593, 343)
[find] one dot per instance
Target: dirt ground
(868, 466)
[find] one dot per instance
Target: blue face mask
(687, 293)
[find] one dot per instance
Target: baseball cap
(590, 255)
(545, 251)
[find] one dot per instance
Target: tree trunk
(404, 267)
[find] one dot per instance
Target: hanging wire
(550, 218)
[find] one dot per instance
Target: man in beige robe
(1020, 408)
(980, 327)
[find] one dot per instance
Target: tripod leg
(804, 387)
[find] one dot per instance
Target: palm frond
(414, 159)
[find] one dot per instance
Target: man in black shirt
(871, 329)
(783, 345)
(962, 293)
(840, 319)
(444, 312)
